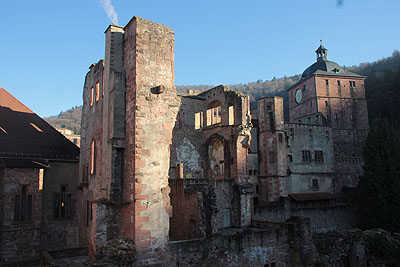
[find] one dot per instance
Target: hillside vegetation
(382, 92)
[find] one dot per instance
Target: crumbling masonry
(160, 167)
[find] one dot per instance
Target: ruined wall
(187, 142)
(59, 233)
(303, 137)
(260, 247)
(19, 239)
(91, 184)
(186, 215)
(151, 110)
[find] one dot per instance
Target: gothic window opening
(23, 206)
(272, 157)
(63, 204)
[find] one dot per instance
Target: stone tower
(338, 96)
(272, 149)
(129, 111)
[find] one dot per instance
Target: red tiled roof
(311, 196)
(23, 134)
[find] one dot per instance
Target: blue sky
(46, 46)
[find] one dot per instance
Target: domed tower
(329, 94)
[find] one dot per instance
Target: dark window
(335, 116)
(306, 155)
(255, 200)
(62, 204)
(326, 103)
(291, 130)
(319, 156)
(315, 186)
(310, 135)
(250, 172)
(304, 88)
(338, 83)
(290, 157)
(257, 188)
(269, 107)
(23, 206)
(327, 82)
(352, 84)
(280, 137)
(255, 172)
(272, 157)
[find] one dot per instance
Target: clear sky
(46, 46)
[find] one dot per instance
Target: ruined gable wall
(150, 117)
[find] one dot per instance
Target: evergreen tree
(378, 192)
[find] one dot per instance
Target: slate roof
(326, 67)
(24, 135)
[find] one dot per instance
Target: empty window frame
(338, 83)
(92, 157)
(306, 155)
(62, 204)
(352, 84)
(326, 103)
(327, 82)
(319, 156)
(231, 114)
(97, 91)
(91, 96)
(214, 115)
(198, 120)
(23, 206)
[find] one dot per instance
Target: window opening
(92, 157)
(97, 91)
(91, 96)
(23, 206)
(306, 155)
(319, 156)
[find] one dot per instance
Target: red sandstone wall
(150, 117)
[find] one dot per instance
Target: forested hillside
(70, 119)
(382, 91)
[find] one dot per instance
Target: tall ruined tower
(328, 91)
(272, 149)
(129, 110)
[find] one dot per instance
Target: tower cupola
(322, 53)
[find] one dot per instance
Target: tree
(378, 192)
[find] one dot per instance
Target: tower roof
(325, 67)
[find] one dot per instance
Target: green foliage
(385, 249)
(378, 193)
